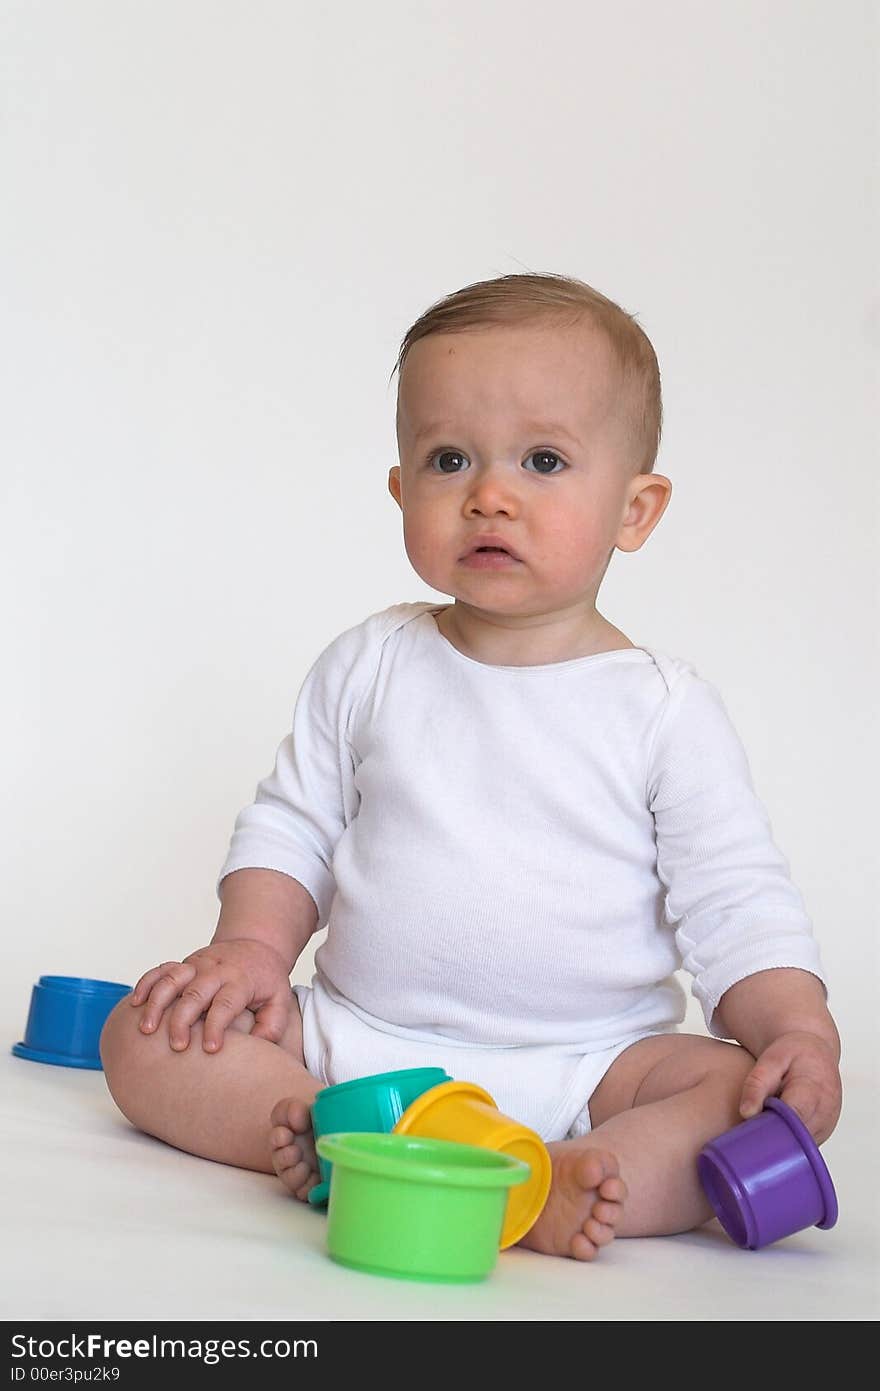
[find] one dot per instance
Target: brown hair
(519, 299)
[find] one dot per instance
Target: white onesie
(512, 862)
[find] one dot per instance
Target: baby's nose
(494, 488)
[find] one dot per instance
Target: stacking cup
(66, 1016)
(417, 1209)
(766, 1179)
(464, 1112)
(366, 1104)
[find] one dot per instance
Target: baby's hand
(805, 1067)
(219, 981)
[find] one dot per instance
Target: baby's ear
(649, 500)
(394, 484)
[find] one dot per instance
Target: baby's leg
(635, 1173)
(225, 1106)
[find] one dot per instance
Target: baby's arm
(266, 919)
(781, 1017)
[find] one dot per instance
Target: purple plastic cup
(766, 1179)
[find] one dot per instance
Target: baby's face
(520, 432)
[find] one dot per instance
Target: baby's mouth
(486, 557)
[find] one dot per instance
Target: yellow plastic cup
(464, 1112)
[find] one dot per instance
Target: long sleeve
(729, 895)
(301, 809)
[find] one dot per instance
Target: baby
(515, 823)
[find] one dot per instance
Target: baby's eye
(445, 454)
(543, 455)
(452, 454)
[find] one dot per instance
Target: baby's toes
(287, 1156)
(280, 1136)
(292, 1126)
(310, 1183)
(607, 1213)
(600, 1233)
(582, 1248)
(304, 1142)
(614, 1189)
(292, 1113)
(291, 1168)
(595, 1168)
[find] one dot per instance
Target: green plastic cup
(373, 1103)
(417, 1209)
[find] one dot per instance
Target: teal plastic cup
(371, 1104)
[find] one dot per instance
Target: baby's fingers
(816, 1104)
(148, 980)
(803, 1096)
(229, 1001)
(166, 984)
(762, 1081)
(273, 1017)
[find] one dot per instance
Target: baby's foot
(292, 1146)
(584, 1205)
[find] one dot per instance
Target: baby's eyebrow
(531, 428)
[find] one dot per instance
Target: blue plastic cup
(65, 1020)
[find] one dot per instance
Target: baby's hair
(520, 299)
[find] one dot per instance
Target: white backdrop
(220, 219)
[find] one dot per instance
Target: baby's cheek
(429, 552)
(578, 553)
(418, 553)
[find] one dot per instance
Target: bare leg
(635, 1173)
(220, 1105)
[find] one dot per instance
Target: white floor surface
(103, 1222)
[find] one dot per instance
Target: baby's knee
(736, 1061)
(691, 1060)
(126, 1051)
(720, 1063)
(124, 1046)
(118, 1033)
(121, 1047)
(129, 1056)
(728, 1066)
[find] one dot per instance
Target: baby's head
(528, 407)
